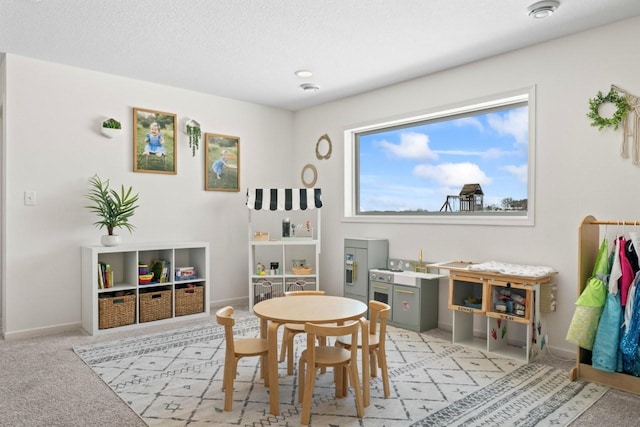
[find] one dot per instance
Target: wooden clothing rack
(588, 246)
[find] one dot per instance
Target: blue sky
(417, 167)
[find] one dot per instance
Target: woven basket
(155, 305)
(301, 270)
(261, 236)
(189, 300)
(116, 311)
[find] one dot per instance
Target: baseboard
(38, 332)
(58, 329)
(562, 353)
(239, 301)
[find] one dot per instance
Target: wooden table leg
(264, 324)
(366, 383)
(274, 395)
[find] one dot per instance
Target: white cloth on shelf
(512, 269)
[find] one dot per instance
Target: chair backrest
(313, 330)
(224, 317)
(381, 311)
(298, 293)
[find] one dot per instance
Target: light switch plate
(29, 198)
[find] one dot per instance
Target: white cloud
(453, 174)
(491, 153)
(412, 145)
(494, 153)
(469, 121)
(515, 123)
(520, 172)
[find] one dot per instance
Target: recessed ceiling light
(304, 73)
(309, 87)
(542, 9)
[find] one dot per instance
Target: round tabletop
(310, 308)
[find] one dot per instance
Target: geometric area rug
(174, 378)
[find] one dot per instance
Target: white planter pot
(111, 132)
(108, 240)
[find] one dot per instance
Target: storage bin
(510, 301)
(114, 311)
(155, 305)
(267, 288)
(261, 236)
(300, 284)
(189, 300)
(467, 294)
(301, 271)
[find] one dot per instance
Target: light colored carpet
(173, 378)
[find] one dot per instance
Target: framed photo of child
(154, 141)
(221, 162)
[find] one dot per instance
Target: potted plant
(192, 128)
(115, 209)
(111, 127)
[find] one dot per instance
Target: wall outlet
(29, 198)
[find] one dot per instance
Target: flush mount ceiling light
(309, 87)
(303, 73)
(542, 9)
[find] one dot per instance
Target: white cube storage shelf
(114, 309)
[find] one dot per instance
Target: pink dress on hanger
(627, 273)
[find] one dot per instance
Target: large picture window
(465, 164)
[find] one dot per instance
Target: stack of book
(105, 276)
(160, 270)
(184, 273)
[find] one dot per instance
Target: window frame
(486, 218)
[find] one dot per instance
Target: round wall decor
(314, 175)
(327, 151)
(622, 106)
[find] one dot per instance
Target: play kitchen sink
(413, 278)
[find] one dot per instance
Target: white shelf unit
(282, 250)
(124, 261)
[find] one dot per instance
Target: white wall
(578, 170)
(2, 204)
(53, 145)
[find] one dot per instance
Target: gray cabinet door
(406, 306)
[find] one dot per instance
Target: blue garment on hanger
(606, 345)
(629, 341)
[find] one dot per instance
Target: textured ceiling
(249, 49)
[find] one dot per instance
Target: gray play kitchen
(405, 285)
(411, 292)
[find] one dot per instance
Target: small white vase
(111, 132)
(113, 240)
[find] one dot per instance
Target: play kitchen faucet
(419, 268)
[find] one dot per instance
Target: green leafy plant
(111, 124)
(194, 137)
(622, 108)
(115, 209)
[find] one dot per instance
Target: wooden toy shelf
(501, 300)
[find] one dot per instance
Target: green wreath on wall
(622, 108)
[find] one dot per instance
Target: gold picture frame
(154, 141)
(221, 162)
